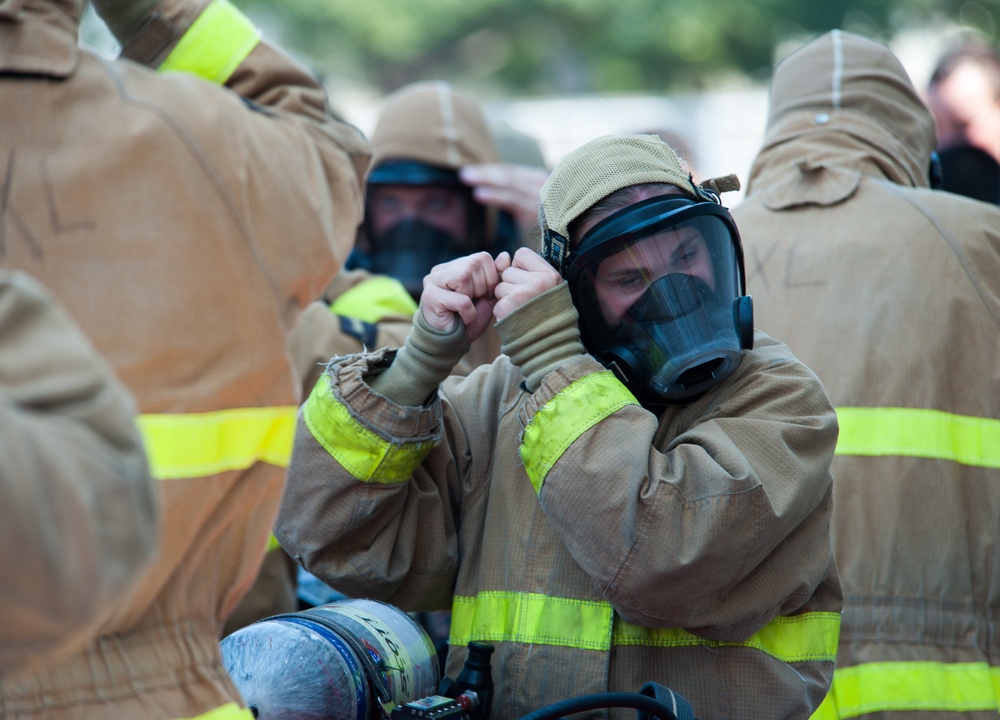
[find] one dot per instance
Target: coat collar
(39, 37)
(805, 163)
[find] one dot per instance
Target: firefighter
(443, 184)
(435, 145)
(183, 203)
(890, 291)
(963, 95)
(79, 507)
(630, 493)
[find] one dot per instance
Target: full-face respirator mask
(659, 286)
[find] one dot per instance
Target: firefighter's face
(440, 207)
(622, 278)
(967, 110)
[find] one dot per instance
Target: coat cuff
(542, 334)
(427, 357)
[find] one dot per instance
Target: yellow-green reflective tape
(365, 455)
(564, 418)
(531, 618)
(199, 444)
(214, 46)
(272, 543)
(230, 711)
(911, 686)
(809, 637)
(919, 433)
(375, 299)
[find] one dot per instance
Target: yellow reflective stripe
(215, 44)
(374, 299)
(809, 637)
(365, 455)
(574, 410)
(272, 543)
(198, 444)
(230, 711)
(531, 618)
(919, 433)
(911, 686)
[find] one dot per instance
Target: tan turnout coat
(431, 123)
(77, 503)
(890, 291)
(713, 518)
(183, 225)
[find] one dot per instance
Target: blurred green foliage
(565, 46)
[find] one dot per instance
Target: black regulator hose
(601, 701)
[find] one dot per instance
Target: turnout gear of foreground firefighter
(890, 291)
(183, 206)
(688, 547)
(78, 506)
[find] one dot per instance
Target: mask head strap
(555, 249)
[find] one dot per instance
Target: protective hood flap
(844, 83)
(39, 37)
(812, 184)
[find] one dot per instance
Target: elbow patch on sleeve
(565, 417)
(363, 453)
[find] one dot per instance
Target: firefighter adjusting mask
(417, 216)
(659, 289)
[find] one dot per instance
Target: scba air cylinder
(331, 662)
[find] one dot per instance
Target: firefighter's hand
(462, 290)
(123, 17)
(528, 276)
(511, 187)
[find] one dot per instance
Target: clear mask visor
(665, 308)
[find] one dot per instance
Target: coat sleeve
(714, 519)
(357, 313)
(78, 505)
(259, 123)
(372, 501)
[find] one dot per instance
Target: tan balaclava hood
(39, 37)
(844, 83)
(431, 122)
(607, 164)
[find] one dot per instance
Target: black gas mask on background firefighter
(417, 216)
(418, 213)
(655, 268)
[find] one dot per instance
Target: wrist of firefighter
(542, 334)
(427, 357)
